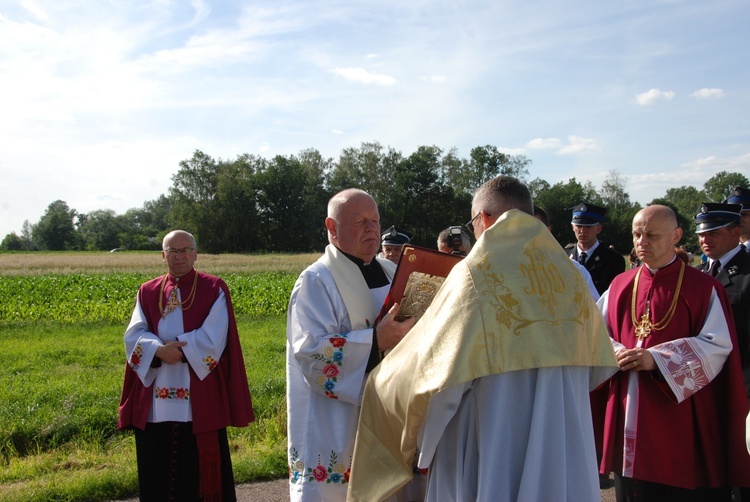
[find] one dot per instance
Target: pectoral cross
(643, 328)
(172, 303)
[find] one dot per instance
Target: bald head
(655, 235)
(338, 201)
(657, 212)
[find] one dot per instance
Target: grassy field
(62, 317)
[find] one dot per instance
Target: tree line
(256, 205)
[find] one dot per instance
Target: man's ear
(677, 235)
(488, 220)
(331, 226)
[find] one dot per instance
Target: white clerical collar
(590, 250)
(654, 270)
(727, 257)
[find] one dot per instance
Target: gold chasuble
(515, 302)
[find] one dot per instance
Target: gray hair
(501, 194)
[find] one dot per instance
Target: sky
(101, 99)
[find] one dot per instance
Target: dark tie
(714, 270)
(582, 258)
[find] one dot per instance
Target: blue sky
(100, 100)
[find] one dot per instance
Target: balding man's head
(353, 223)
(655, 235)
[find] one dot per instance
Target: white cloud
(709, 166)
(708, 93)
(337, 132)
(511, 151)
(264, 147)
(544, 144)
(36, 11)
(575, 145)
(652, 96)
(363, 76)
(693, 173)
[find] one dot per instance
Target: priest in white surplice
(332, 346)
(492, 384)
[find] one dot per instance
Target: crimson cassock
(220, 400)
(698, 442)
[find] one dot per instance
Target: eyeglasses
(174, 251)
(470, 224)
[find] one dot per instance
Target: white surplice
(489, 440)
(171, 397)
(329, 339)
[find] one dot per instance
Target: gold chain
(644, 327)
(173, 303)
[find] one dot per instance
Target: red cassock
(699, 442)
(220, 400)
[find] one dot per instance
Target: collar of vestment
(353, 287)
(184, 281)
(655, 270)
(372, 272)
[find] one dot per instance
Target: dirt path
(278, 491)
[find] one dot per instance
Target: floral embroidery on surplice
(332, 359)
(336, 472)
(210, 362)
(135, 357)
(172, 393)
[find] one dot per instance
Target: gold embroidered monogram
(544, 287)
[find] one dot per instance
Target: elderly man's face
(180, 255)
(717, 243)
(358, 231)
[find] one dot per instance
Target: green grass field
(61, 367)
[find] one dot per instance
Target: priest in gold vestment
(491, 385)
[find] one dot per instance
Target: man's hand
(390, 331)
(170, 352)
(637, 359)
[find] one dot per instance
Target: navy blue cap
(587, 215)
(740, 195)
(715, 215)
(395, 237)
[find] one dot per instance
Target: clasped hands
(171, 352)
(636, 359)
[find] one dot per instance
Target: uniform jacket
(735, 277)
(603, 265)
